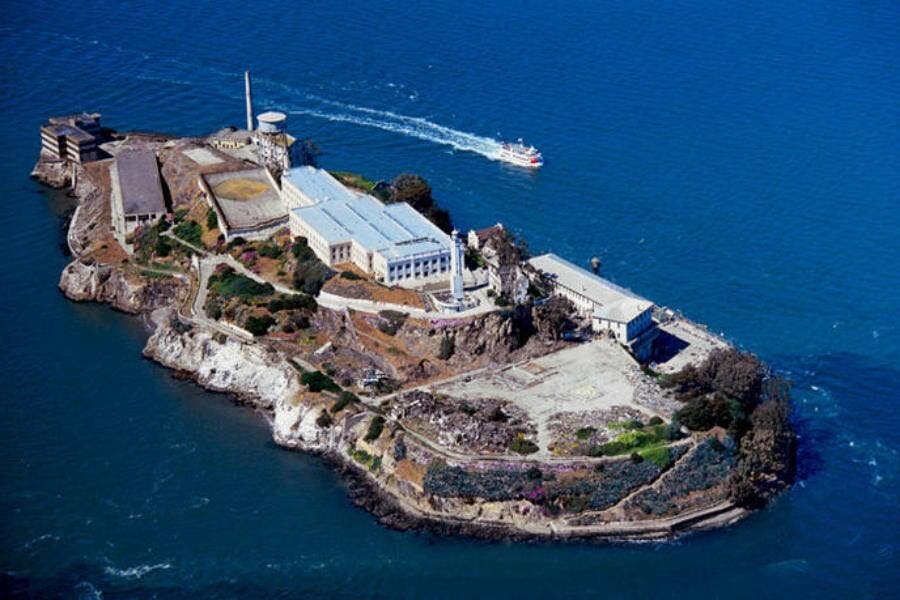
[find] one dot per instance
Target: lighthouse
(456, 268)
(249, 100)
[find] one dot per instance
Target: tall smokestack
(249, 100)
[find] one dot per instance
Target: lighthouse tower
(456, 268)
(249, 100)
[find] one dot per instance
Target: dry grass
(365, 289)
(410, 471)
(240, 188)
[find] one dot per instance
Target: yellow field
(240, 189)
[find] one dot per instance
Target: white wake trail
(416, 127)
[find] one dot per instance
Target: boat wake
(416, 127)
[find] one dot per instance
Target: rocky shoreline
(389, 475)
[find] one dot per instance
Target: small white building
(611, 308)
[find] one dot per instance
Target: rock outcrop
(52, 173)
(84, 280)
(222, 364)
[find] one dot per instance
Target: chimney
(249, 101)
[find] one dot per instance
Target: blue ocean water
(738, 161)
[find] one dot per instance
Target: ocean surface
(739, 161)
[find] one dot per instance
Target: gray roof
(394, 230)
(139, 183)
(624, 310)
(318, 184)
(257, 205)
(616, 303)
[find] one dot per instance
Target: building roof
(394, 230)
(614, 300)
(624, 310)
(246, 198)
(272, 116)
(139, 183)
(317, 184)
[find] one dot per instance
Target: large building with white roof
(393, 242)
(305, 186)
(611, 308)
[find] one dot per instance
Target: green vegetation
(230, 284)
(296, 302)
(350, 275)
(585, 433)
(635, 440)
(627, 425)
(376, 426)
(343, 401)
(416, 191)
(181, 214)
(523, 446)
(212, 220)
(259, 325)
(448, 347)
(163, 246)
(190, 232)
(353, 180)
(270, 250)
(391, 321)
(658, 455)
(317, 381)
(324, 419)
(310, 274)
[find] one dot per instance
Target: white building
(611, 308)
(305, 186)
(393, 242)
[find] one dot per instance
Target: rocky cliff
(223, 364)
(85, 280)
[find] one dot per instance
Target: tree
(412, 189)
(415, 191)
(308, 153)
(448, 347)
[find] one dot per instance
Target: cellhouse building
(392, 242)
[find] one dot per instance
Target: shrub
(655, 421)
(317, 381)
(259, 325)
(190, 232)
(212, 220)
(181, 214)
(342, 401)
(585, 433)
(163, 246)
(523, 446)
(705, 412)
(230, 284)
(350, 275)
(448, 347)
(295, 302)
(391, 321)
(376, 426)
(234, 243)
(324, 419)
(270, 251)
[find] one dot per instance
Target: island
(461, 384)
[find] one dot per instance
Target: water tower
(273, 141)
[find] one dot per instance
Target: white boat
(521, 155)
